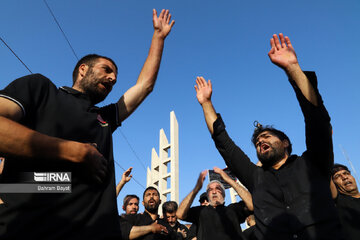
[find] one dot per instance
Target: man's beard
(89, 84)
(274, 155)
(153, 208)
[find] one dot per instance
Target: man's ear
(123, 207)
(143, 203)
(286, 143)
(83, 68)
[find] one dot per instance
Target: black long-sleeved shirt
(293, 201)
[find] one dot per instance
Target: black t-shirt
(222, 222)
(90, 211)
(349, 213)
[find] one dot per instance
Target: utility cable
(132, 149)
(15, 55)
(56, 21)
(72, 49)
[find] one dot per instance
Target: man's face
(99, 80)
(345, 182)
(151, 201)
(215, 194)
(171, 218)
(132, 207)
(269, 148)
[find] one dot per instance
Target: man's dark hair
(169, 207)
(281, 135)
(127, 199)
(338, 167)
(89, 60)
(150, 188)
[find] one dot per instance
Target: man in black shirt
(169, 213)
(147, 225)
(46, 129)
(347, 199)
(290, 193)
(216, 221)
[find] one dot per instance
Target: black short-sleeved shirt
(293, 202)
(144, 219)
(90, 211)
(349, 212)
(221, 222)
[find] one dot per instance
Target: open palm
(162, 24)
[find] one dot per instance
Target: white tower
(164, 173)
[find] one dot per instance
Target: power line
(132, 149)
(15, 55)
(72, 49)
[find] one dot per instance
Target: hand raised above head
(203, 90)
(282, 52)
(126, 177)
(162, 24)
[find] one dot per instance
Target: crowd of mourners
(284, 196)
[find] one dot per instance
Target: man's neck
(354, 194)
(154, 216)
(281, 162)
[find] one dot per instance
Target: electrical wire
(15, 54)
(72, 49)
(56, 21)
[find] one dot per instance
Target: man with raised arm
(46, 129)
(147, 225)
(290, 193)
(216, 221)
(346, 194)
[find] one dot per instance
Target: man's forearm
(210, 115)
(139, 231)
(151, 66)
(145, 82)
(295, 74)
(19, 141)
(184, 207)
(244, 195)
(120, 185)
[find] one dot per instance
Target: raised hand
(200, 180)
(223, 174)
(203, 90)
(162, 24)
(282, 52)
(126, 177)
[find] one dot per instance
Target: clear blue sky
(225, 41)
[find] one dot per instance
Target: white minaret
(164, 173)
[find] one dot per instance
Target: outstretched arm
(146, 80)
(126, 177)
(283, 55)
(203, 94)
(243, 193)
(184, 207)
